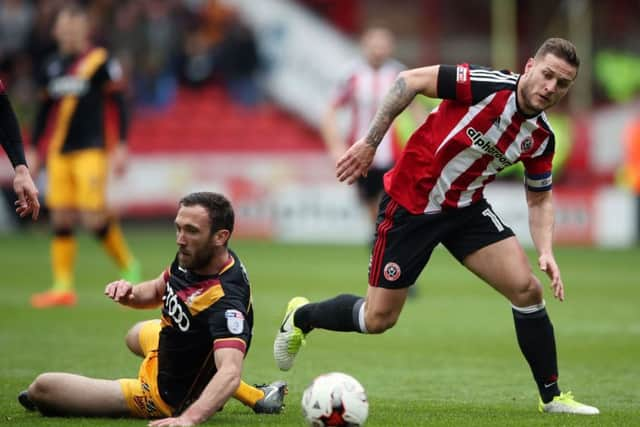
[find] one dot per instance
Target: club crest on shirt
(391, 271)
(526, 144)
(235, 321)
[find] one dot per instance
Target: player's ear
(529, 65)
(220, 237)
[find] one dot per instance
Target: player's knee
(41, 388)
(528, 291)
(379, 321)
(132, 339)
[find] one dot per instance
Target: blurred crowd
(160, 44)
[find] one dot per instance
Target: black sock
(538, 345)
(335, 314)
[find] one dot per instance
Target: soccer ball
(335, 399)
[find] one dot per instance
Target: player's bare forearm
(541, 220)
(149, 294)
(144, 295)
(396, 100)
(221, 387)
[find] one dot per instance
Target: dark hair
(73, 9)
(561, 48)
(219, 207)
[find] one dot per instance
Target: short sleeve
(454, 82)
(470, 84)
(228, 327)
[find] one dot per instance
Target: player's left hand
(120, 159)
(548, 264)
(355, 162)
(171, 422)
(27, 193)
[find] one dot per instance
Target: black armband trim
(447, 82)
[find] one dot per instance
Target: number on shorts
(494, 218)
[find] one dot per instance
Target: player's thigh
(142, 395)
(504, 266)
(60, 188)
(78, 395)
(487, 246)
(90, 171)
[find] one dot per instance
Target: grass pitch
(452, 360)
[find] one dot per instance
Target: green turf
(452, 360)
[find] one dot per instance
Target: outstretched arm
(541, 222)
(356, 161)
(215, 394)
(144, 295)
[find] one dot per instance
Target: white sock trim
(530, 309)
(361, 324)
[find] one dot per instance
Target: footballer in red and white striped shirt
(488, 120)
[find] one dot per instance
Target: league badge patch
(235, 321)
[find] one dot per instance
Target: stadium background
(226, 96)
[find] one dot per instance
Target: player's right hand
(120, 291)
(27, 193)
(355, 162)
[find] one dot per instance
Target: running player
(70, 131)
(487, 121)
(193, 355)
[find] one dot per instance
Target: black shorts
(404, 241)
(371, 187)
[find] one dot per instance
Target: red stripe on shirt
(236, 343)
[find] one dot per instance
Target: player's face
(196, 245)
(377, 46)
(71, 31)
(544, 83)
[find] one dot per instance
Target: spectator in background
(16, 19)
(40, 44)
(155, 77)
(221, 47)
(126, 40)
(362, 91)
(76, 86)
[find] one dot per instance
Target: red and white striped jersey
(476, 132)
(363, 91)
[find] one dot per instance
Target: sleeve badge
(235, 321)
